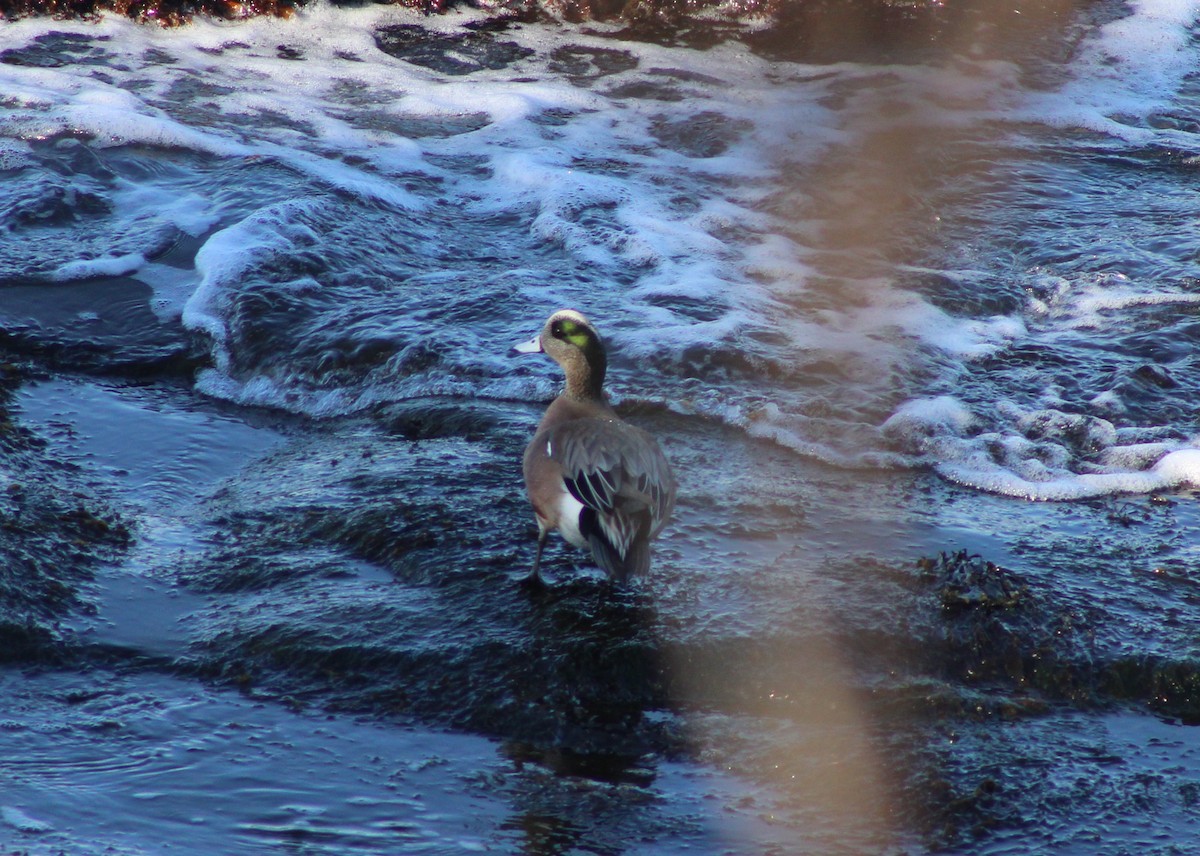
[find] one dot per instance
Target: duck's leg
(534, 579)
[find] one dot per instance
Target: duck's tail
(620, 543)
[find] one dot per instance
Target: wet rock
(705, 135)
(166, 12)
(427, 419)
(1170, 687)
(996, 632)
(578, 673)
(461, 53)
(104, 324)
(586, 64)
(993, 629)
(967, 582)
(51, 204)
(392, 582)
(54, 50)
(1155, 376)
(1085, 436)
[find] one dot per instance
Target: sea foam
(1127, 70)
(676, 195)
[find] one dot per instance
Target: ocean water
(258, 283)
(896, 265)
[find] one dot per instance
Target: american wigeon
(601, 482)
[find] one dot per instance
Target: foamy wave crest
(229, 255)
(1115, 432)
(383, 203)
(1042, 454)
(398, 196)
(1126, 72)
(1092, 302)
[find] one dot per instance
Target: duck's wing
(614, 469)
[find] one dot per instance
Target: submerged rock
(54, 532)
(445, 634)
(995, 630)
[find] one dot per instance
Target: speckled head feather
(572, 342)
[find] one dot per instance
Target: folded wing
(625, 484)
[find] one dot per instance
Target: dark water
(261, 518)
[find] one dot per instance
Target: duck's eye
(565, 329)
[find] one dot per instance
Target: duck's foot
(533, 583)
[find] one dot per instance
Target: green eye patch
(571, 332)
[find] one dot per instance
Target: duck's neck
(585, 378)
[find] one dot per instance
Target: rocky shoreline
(805, 30)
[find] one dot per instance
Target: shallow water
(913, 321)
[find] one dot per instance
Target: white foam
(188, 212)
(173, 287)
(1036, 455)
(965, 338)
(108, 266)
(1135, 456)
(1178, 469)
(267, 392)
(14, 154)
(1124, 72)
(920, 419)
(1108, 402)
(620, 219)
(62, 99)
(227, 255)
(143, 215)
(1090, 302)
(319, 136)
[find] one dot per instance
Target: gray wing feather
(611, 466)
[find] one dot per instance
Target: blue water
(880, 300)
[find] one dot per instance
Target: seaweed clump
(53, 535)
(995, 630)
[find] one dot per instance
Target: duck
(603, 484)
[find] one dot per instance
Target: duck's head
(572, 342)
